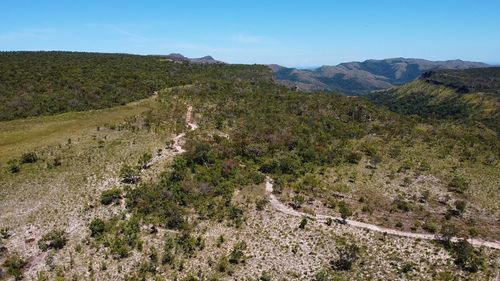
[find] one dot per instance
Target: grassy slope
(431, 100)
(24, 135)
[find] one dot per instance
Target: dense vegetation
(34, 83)
(305, 133)
(467, 80)
(291, 136)
(250, 128)
(466, 96)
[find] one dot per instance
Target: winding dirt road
(281, 207)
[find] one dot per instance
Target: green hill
(41, 83)
(471, 95)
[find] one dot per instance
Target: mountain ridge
(181, 58)
(357, 78)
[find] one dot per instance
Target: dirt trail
(281, 207)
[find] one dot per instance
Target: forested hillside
(34, 83)
(176, 186)
(471, 95)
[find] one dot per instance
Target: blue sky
(291, 33)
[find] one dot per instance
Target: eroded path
(283, 208)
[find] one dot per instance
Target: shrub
(14, 166)
(14, 265)
(97, 227)
(237, 255)
(460, 205)
(55, 239)
(261, 203)
(322, 275)
(110, 196)
(29, 157)
(407, 267)
(303, 223)
(223, 264)
(119, 247)
(265, 276)
(344, 210)
(402, 205)
(129, 174)
(430, 226)
(4, 233)
(458, 185)
(347, 257)
(354, 157)
(144, 160)
(297, 201)
(466, 256)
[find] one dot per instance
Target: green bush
(97, 227)
(110, 196)
(402, 204)
(261, 203)
(223, 265)
(55, 239)
(129, 174)
(237, 255)
(348, 255)
(354, 157)
(468, 258)
(460, 205)
(144, 160)
(458, 185)
(303, 223)
(29, 157)
(265, 276)
(14, 166)
(344, 210)
(430, 226)
(14, 265)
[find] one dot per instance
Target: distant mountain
(358, 78)
(202, 60)
(463, 95)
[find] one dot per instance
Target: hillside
(357, 78)
(461, 95)
(41, 83)
(232, 177)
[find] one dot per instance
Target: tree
(344, 210)
(348, 255)
(55, 239)
(97, 227)
(466, 256)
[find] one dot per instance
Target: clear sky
(291, 33)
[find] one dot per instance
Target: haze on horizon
(290, 33)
